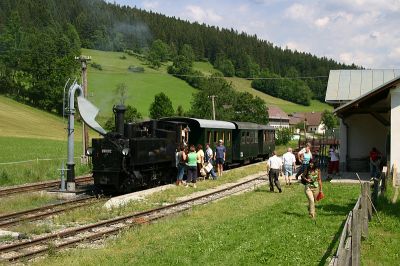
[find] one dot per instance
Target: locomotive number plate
(106, 151)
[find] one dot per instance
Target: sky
(364, 32)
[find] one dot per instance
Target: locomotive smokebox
(119, 111)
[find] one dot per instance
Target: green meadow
(28, 134)
(253, 228)
(141, 86)
(244, 85)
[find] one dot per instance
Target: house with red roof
(277, 117)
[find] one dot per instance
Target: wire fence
(37, 160)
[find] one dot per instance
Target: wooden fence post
(356, 236)
(364, 209)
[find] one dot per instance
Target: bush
(283, 136)
(122, 57)
(137, 69)
(96, 65)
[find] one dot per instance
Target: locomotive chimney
(119, 111)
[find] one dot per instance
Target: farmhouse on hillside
(277, 117)
(368, 105)
(312, 120)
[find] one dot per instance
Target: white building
(369, 110)
(277, 117)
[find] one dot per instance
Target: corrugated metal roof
(387, 85)
(249, 125)
(347, 85)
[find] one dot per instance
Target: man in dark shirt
(219, 156)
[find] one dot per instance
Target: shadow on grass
(332, 245)
(387, 207)
(334, 209)
(294, 214)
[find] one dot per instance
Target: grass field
(289, 107)
(27, 133)
(20, 120)
(16, 149)
(141, 86)
(244, 85)
(248, 229)
(382, 247)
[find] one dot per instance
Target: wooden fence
(356, 227)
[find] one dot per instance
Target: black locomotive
(143, 155)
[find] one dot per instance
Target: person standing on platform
(192, 167)
(181, 164)
(333, 166)
(275, 167)
(200, 159)
(304, 157)
(208, 156)
(219, 157)
(289, 165)
(375, 157)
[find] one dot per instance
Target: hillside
(20, 120)
(244, 85)
(141, 86)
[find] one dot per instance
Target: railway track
(40, 186)
(10, 219)
(59, 240)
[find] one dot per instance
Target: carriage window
(243, 139)
(248, 137)
(208, 137)
(223, 136)
(215, 136)
(229, 136)
(256, 137)
(265, 136)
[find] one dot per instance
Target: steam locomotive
(143, 154)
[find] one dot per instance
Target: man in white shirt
(275, 166)
(289, 164)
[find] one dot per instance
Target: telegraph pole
(85, 134)
(213, 104)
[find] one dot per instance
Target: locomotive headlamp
(89, 151)
(125, 151)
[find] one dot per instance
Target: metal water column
(71, 115)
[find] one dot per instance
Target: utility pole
(85, 134)
(213, 104)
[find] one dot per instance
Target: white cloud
(197, 13)
(298, 12)
(292, 45)
(395, 54)
(321, 22)
(150, 4)
(243, 8)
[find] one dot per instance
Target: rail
(355, 228)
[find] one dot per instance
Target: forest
(39, 39)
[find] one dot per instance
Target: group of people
(309, 172)
(198, 163)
